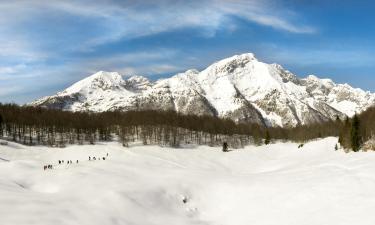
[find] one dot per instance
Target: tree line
(358, 131)
(40, 126)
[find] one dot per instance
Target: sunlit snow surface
(276, 184)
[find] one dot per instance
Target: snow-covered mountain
(240, 87)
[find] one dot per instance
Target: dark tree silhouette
(225, 147)
(267, 139)
(355, 135)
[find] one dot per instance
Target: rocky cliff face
(240, 87)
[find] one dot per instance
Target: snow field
(266, 185)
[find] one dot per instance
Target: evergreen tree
(354, 134)
(1, 128)
(267, 139)
(225, 147)
(344, 136)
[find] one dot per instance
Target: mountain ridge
(239, 87)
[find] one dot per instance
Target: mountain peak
(192, 71)
(106, 76)
(312, 77)
(242, 58)
(138, 83)
(100, 80)
(239, 87)
(230, 64)
(248, 55)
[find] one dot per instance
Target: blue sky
(46, 46)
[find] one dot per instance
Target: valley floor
(277, 184)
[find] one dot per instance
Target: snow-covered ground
(141, 185)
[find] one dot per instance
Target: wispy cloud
(327, 55)
(150, 70)
(5, 91)
(264, 13)
(131, 19)
(148, 63)
(37, 30)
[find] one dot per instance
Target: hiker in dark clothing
(89, 158)
(103, 158)
(107, 154)
(67, 162)
(44, 167)
(77, 161)
(225, 147)
(59, 162)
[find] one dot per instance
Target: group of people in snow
(45, 167)
(97, 158)
(67, 162)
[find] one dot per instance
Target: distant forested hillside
(40, 126)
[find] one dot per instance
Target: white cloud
(151, 62)
(131, 19)
(117, 20)
(149, 70)
(6, 90)
(11, 69)
(329, 55)
(263, 13)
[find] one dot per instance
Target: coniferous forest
(41, 126)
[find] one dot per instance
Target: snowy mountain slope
(240, 87)
(277, 184)
(342, 97)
